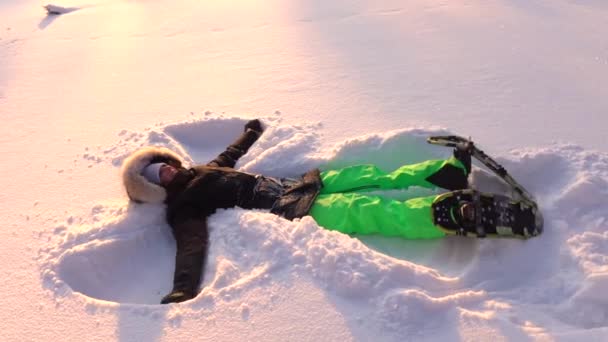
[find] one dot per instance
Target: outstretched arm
(192, 239)
(253, 130)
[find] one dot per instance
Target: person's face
(166, 173)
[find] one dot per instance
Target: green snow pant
(339, 205)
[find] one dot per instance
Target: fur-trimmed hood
(138, 188)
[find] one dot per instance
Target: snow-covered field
(336, 83)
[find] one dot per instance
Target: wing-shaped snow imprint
(124, 254)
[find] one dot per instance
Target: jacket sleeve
(191, 236)
(236, 150)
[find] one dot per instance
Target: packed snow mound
(122, 255)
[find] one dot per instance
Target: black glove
(254, 125)
(176, 297)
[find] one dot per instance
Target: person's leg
(357, 213)
(449, 174)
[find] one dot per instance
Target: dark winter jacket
(196, 193)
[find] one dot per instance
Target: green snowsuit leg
(339, 207)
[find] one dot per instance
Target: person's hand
(254, 125)
(176, 297)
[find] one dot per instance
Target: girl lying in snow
(333, 198)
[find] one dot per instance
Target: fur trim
(138, 188)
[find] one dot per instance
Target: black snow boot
(463, 153)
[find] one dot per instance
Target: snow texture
(336, 83)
